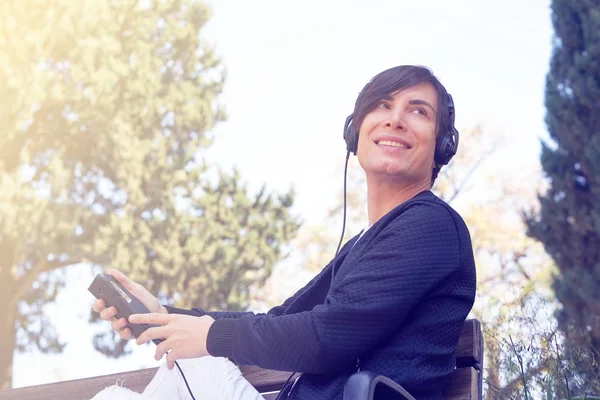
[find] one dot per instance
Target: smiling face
(397, 137)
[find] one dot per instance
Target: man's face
(397, 137)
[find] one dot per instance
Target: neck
(384, 196)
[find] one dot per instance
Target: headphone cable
(344, 220)
(185, 380)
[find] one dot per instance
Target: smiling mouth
(391, 144)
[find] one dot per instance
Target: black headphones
(445, 147)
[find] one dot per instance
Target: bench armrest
(362, 386)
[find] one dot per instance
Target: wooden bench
(465, 382)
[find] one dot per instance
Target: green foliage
(106, 109)
(568, 223)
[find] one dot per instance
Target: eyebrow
(421, 102)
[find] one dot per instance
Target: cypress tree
(568, 222)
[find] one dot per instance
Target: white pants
(214, 378)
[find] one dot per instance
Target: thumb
(140, 292)
(123, 280)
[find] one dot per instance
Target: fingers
(171, 360)
(151, 333)
(152, 318)
(118, 324)
(107, 314)
(99, 305)
(161, 349)
(126, 334)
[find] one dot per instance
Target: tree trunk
(7, 347)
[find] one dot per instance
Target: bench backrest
(467, 379)
(465, 382)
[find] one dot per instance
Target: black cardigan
(396, 307)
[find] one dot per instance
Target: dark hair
(394, 80)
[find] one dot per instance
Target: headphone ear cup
(447, 144)
(353, 144)
(446, 147)
(350, 135)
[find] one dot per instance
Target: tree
(106, 112)
(568, 222)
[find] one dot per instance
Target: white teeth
(390, 143)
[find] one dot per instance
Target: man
(400, 291)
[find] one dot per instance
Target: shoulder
(425, 212)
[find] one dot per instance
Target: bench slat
(264, 380)
(81, 389)
(84, 389)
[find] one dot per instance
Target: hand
(184, 335)
(143, 295)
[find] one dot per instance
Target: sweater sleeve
(414, 255)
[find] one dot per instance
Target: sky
(294, 70)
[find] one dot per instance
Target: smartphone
(105, 287)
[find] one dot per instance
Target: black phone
(106, 287)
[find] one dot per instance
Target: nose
(395, 120)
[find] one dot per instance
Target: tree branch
(512, 385)
(498, 390)
(27, 280)
(462, 184)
